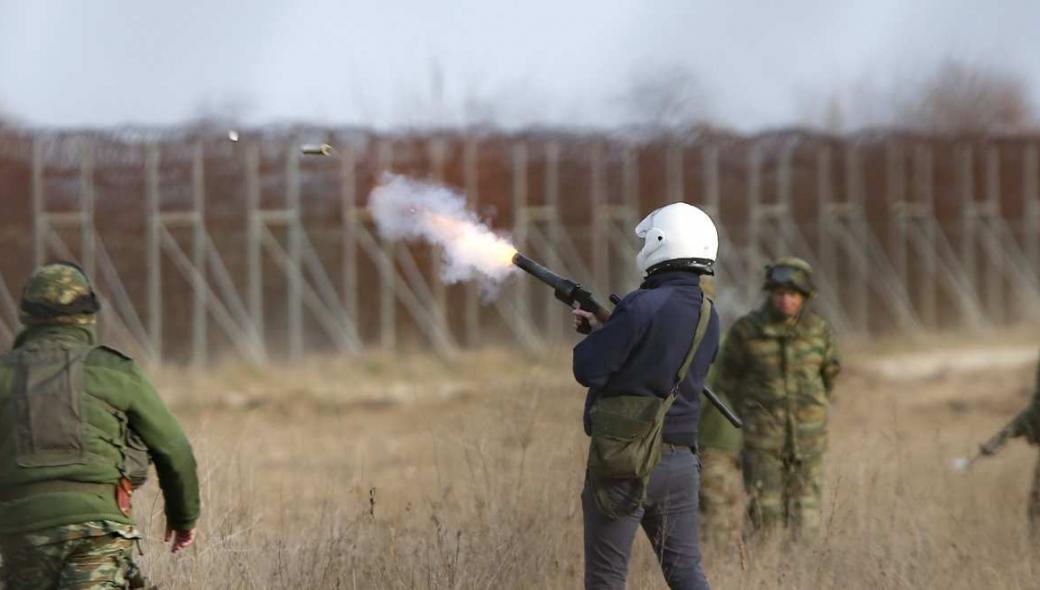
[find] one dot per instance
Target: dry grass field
(378, 472)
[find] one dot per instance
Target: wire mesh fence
(203, 247)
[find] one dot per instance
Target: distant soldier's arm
(170, 450)
(831, 365)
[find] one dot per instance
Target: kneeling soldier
(79, 421)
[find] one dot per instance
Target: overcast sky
(390, 63)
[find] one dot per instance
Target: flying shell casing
(323, 149)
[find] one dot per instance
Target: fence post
(440, 292)
(1031, 197)
(472, 181)
(600, 219)
(349, 221)
(519, 163)
(198, 245)
(387, 274)
(969, 210)
(254, 262)
(155, 306)
(925, 176)
(38, 203)
(552, 204)
(86, 225)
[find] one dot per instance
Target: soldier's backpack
(626, 434)
(48, 401)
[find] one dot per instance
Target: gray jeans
(669, 517)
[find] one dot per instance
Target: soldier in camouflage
(78, 422)
(778, 365)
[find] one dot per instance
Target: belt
(54, 486)
(667, 447)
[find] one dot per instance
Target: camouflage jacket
(780, 377)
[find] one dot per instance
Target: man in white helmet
(654, 345)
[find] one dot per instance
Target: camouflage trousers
(87, 556)
(784, 492)
(722, 497)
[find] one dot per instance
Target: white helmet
(680, 234)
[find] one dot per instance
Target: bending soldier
(77, 420)
(778, 365)
(1026, 424)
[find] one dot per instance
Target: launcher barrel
(540, 272)
(565, 289)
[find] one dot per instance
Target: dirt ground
(377, 472)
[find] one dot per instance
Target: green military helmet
(59, 293)
(792, 273)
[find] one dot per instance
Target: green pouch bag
(48, 405)
(626, 434)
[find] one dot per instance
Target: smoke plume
(407, 209)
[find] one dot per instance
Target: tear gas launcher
(565, 289)
(570, 292)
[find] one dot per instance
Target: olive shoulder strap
(698, 337)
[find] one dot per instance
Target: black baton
(723, 408)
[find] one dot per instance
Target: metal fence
(203, 247)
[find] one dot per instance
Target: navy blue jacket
(641, 347)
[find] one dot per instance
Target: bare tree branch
(968, 99)
(664, 98)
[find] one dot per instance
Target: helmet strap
(700, 266)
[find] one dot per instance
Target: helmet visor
(790, 277)
(782, 275)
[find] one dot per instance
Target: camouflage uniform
(722, 497)
(780, 372)
(79, 556)
(77, 424)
